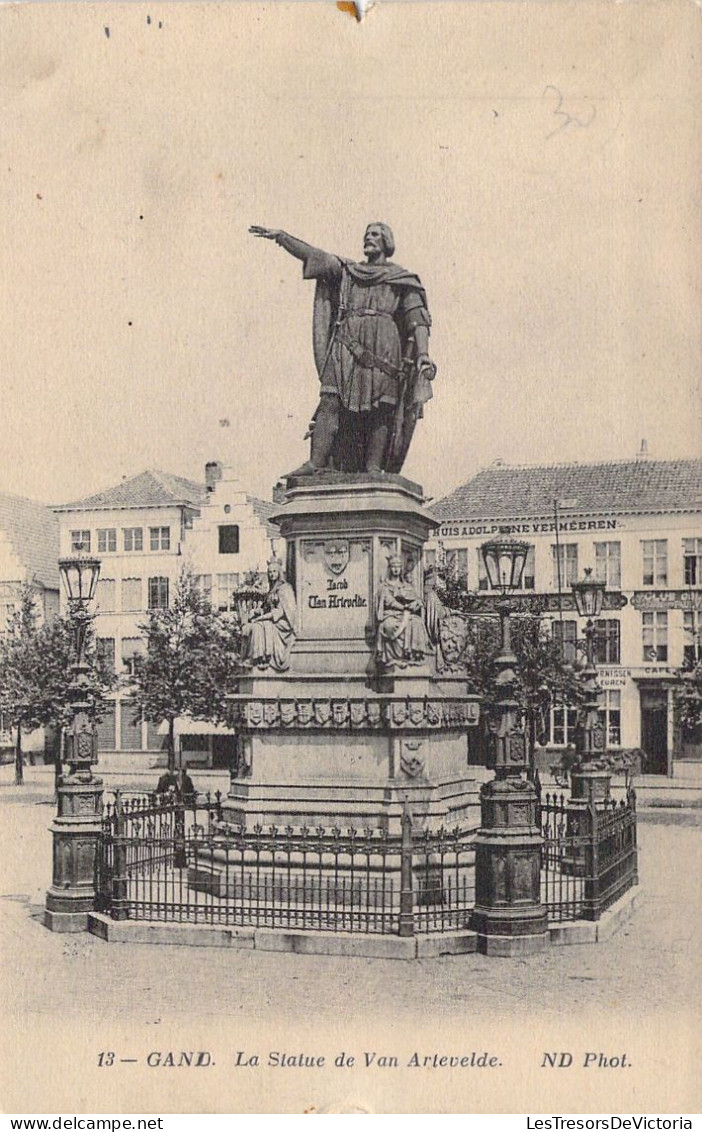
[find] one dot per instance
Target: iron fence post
(631, 799)
(591, 903)
(406, 926)
(120, 904)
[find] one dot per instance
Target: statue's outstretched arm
(295, 247)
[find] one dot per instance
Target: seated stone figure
(270, 634)
(401, 638)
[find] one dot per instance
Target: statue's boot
(377, 443)
(306, 469)
(326, 426)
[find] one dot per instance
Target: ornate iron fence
(164, 859)
(589, 856)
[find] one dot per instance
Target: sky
(538, 164)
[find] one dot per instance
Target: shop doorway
(654, 730)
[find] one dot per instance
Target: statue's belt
(366, 357)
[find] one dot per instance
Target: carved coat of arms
(374, 713)
(287, 712)
(322, 712)
(255, 713)
(433, 714)
(411, 763)
(358, 713)
(340, 712)
(399, 713)
(304, 713)
(270, 713)
(336, 555)
(416, 712)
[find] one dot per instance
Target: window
(565, 634)
(655, 562)
(160, 538)
(607, 638)
(692, 561)
(483, 583)
(563, 725)
(106, 728)
(457, 563)
(229, 539)
(131, 647)
(106, 652)
(226, 585)
(158, 593)
(429, 559)
(133, 538)
(107, 540)
(203, 584)
(655, 637)
(105, 595)
(529, 575)
(565, 565)
(611, 716)
(692, 639)
(608, 564)
(131, 595)
(130, 721)
(80, 542)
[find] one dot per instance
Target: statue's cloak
(414, 390)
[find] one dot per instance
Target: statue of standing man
(371, 349)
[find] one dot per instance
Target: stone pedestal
(339, 739)
(588, 784)
(508, 916)
(75, 832)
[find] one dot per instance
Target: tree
(18, 660)
(544, 679)
(54, 676)
(189, 663)
(688, 702)
(36, 676)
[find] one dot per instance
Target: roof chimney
(213, 474)
(642, 453)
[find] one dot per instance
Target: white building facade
(146, 531)
(638, 526)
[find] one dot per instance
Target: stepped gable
(263, 510)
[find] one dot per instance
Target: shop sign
(613, 677)
(649, 601)
(526, 527)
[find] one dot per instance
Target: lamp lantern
(504, 560)
(80, 575)
(589, 596)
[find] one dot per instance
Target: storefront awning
(185, 726)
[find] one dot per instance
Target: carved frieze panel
(342, 713)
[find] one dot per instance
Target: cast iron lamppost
(76, 828)
(509, 917)
(590, 779)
